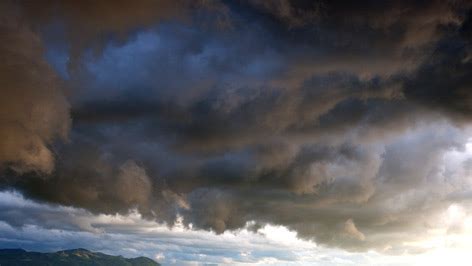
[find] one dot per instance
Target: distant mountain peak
(76, 251)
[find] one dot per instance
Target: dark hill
(73, 257)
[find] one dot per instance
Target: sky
(244, 132)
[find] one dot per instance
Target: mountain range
(73, 257)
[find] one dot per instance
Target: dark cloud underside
(316, 115)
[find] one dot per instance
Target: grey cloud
(333, 122)
(131, 236)
(443, 81)
(89, 23)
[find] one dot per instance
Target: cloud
(174, 246)
(443, 81)
(351, 230)
(34, 111)
(132, 236)
(306, 119)
(87, 24)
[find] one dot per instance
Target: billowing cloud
(88, 24)
(33, 108)
(345, 123)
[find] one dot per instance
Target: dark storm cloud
(315, 115)
(88, 24)
(444, 81)
(33, 109)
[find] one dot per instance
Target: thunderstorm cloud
(346, 122)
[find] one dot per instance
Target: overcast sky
(232, 132)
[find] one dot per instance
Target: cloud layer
(347, 123)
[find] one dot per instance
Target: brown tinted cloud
(34, 111)
(330, 118)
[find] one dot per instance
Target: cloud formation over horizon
(346, 122)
